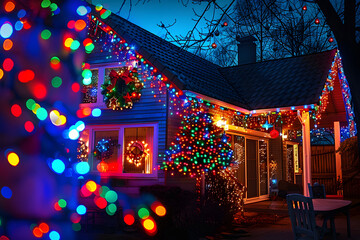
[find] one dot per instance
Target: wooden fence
(323, 167)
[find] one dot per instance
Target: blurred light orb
(82, 168)
(54, 235)
(6, 192)
(13, 159)
(58, 166)
(81, 209)
(81, 10)
(74, 134)
(96, 112)
(6, 30)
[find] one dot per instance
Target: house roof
(284, 82)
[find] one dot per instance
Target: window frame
(120, 158)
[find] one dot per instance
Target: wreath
(136, 152)
(122, 89)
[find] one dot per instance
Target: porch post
(306, 151)
(337, 145)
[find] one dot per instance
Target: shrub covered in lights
(201, 147)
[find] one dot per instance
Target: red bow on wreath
(114, 77)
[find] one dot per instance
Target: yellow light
(149, 224)
(91, 186)
(13, 159)
(160, 210)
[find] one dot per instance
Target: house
(136, 85)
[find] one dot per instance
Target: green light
(89, 48)
(75, 45)
(56, 82)
(111, 196)
(103, 190)
(41, 114)
(45, 34)
(45, 3)
(112, 208)
(62, 203)
(76, 227)
(53, 7)
(143, 213)
(30, 104)
(86, 73)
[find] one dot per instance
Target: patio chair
(317, 190)
(302, 216)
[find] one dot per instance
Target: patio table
(329, 208)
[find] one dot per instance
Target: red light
(39, 91)
(317, 21)
(129, 219)
(86, 42)
(80, 25)
(75, 218)
(57, 207)
(44, 227)
(75, 87)
(100, 202)
(16, 110)
(304, 8)
(102, 166)
(213, 45)
(84, 192)
(37, 232)
(9, 6)
(4, 237)
(71, 24)
(331, 39)
(8, 64)
(225, 24)
(85, 66)
(26, 76)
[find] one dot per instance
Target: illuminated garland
(136, 152)
(121, 89)
(82, 151)
(104, 149)
(201, 147)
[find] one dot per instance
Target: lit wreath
(136, 152)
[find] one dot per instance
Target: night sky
(148, 15)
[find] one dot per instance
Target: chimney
(246, 50)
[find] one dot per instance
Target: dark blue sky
(150, 14)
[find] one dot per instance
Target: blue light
(18, 25)
(74, 134)
(82, 11)
(96, 112)
(81, 209)
(21, 13)
(80, 126)
(6, 30)
(58, 166)
(292, 108)
(82, 168)
(54, 235)
(6, 192)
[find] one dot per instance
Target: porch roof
(277, 83)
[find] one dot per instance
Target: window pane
(89, 92)
(263, 167)
(239, 155)
(83, 146)
(106, 147)
(138, 146)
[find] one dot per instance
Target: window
(89, 92)
(123, 150)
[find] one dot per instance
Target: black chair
(302, 216)
(317, 190)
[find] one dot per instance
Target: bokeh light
(91, 186)
(80, 25)
(41, 114)
(44, 227)
(149, 224)
(160, 211)
(7, 44)
(100, 202)
(143, 213)
(16, 110)
(56, 82)
(26, 76)
(82, 168)
(9, 6)
(75, 87)
(111, 196)
(39, 91)
(81, 209)
(6, 30)
(58, 166)
(54, 235)
(45, 34)
(96, 112)
(29, 126)
(1, 73)
(81, 10)
(8, 64)
(6, 192)
(30, 104)
(62, 203)
(129, 219)
(37, 232)
(13, 159)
